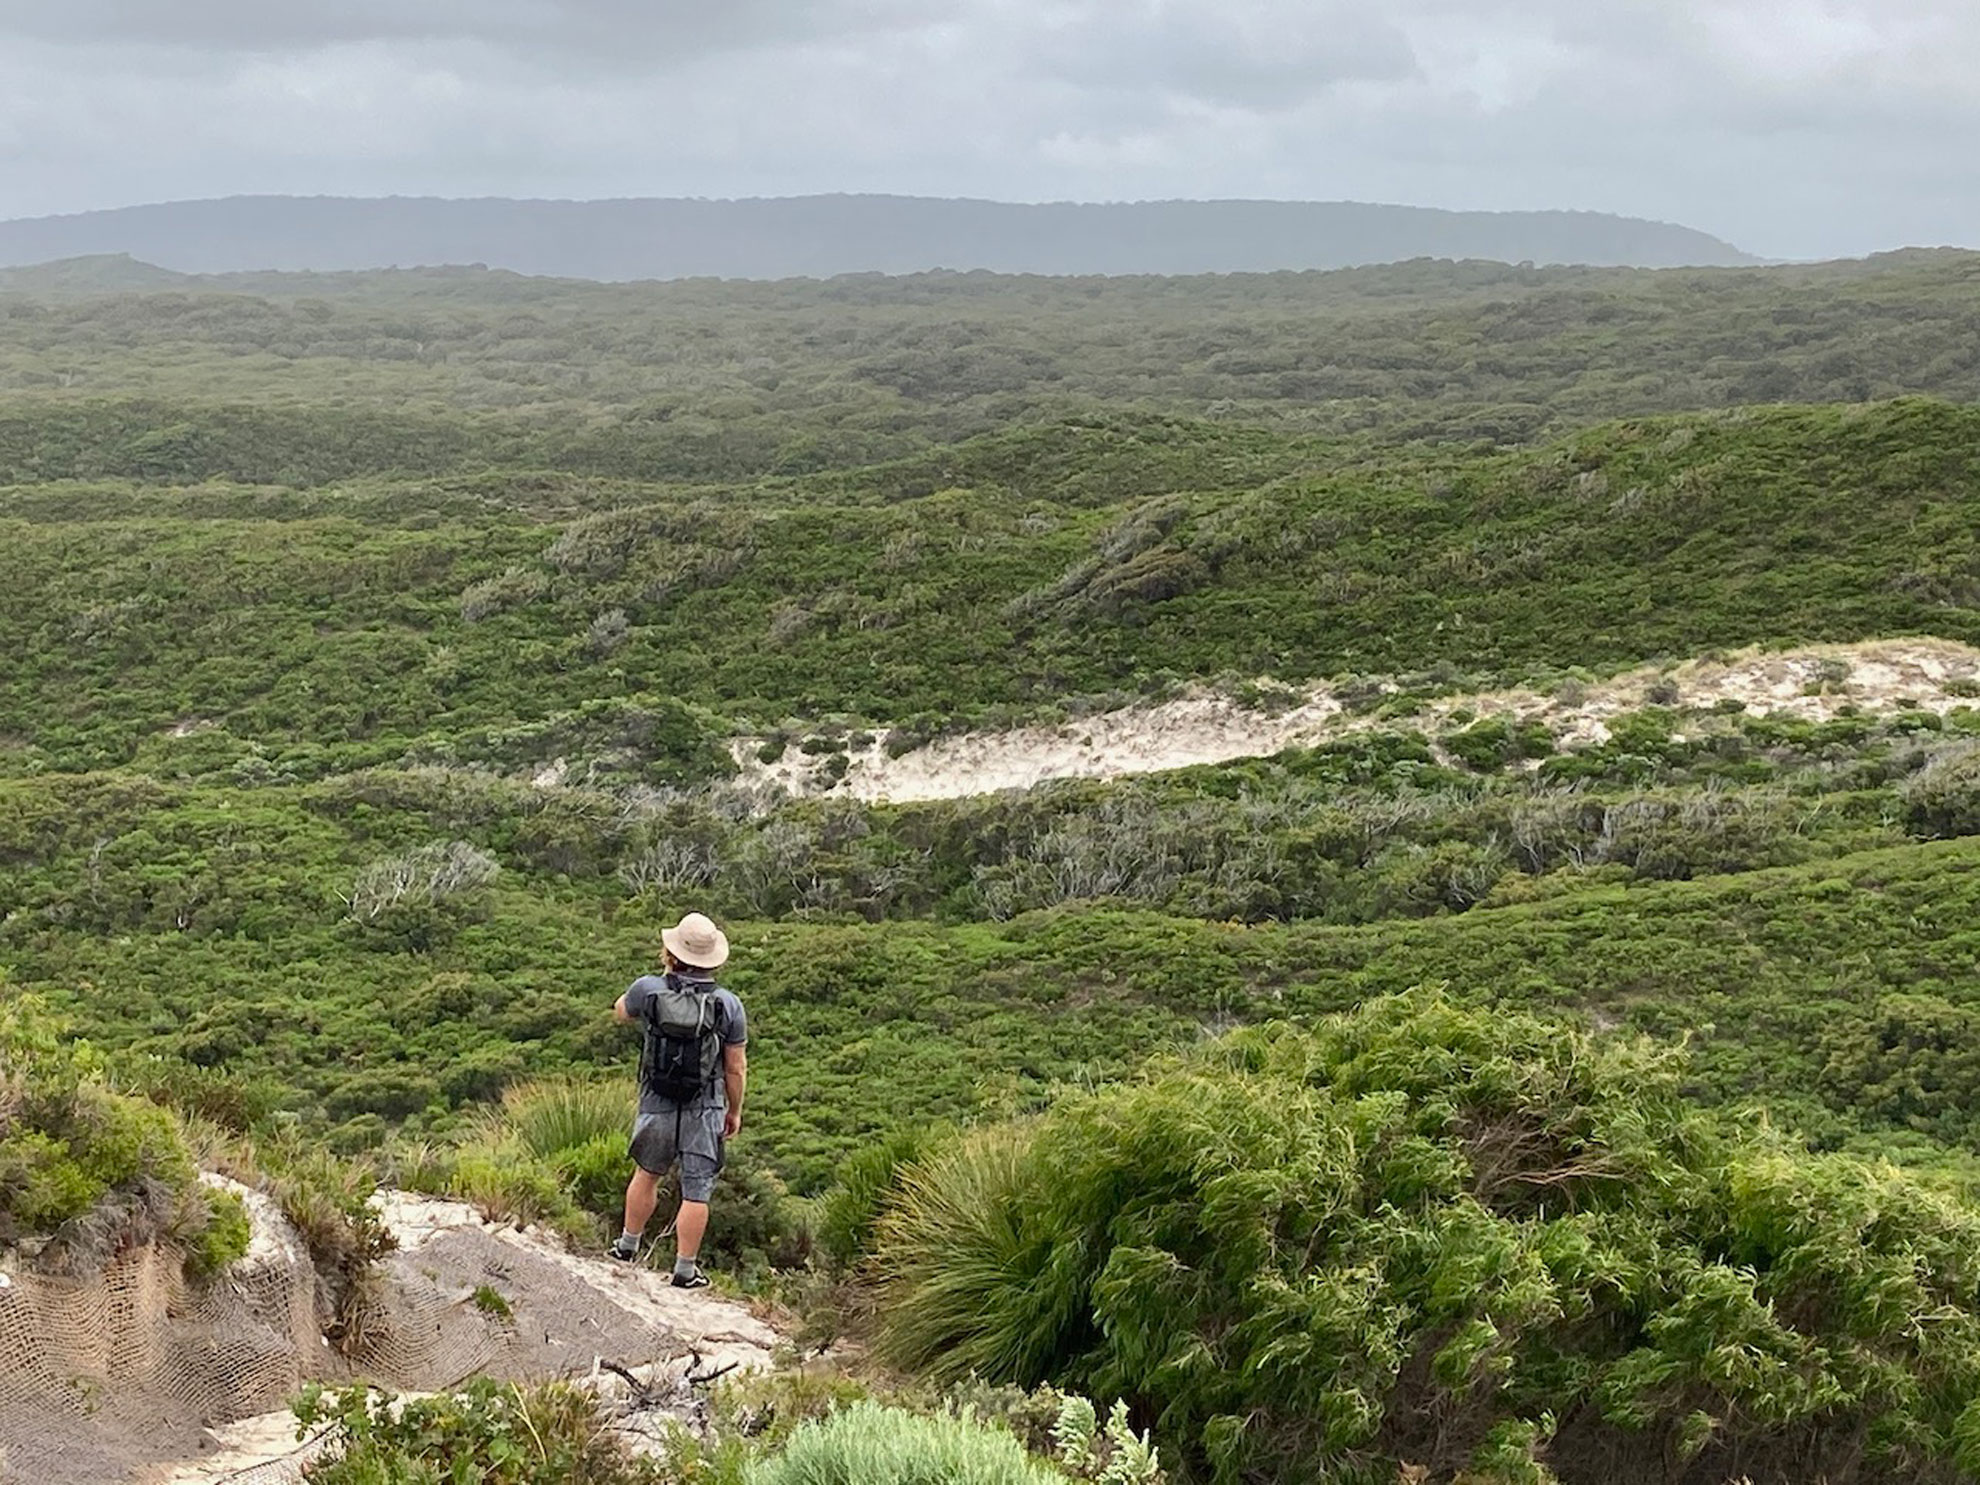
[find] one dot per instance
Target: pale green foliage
(1943, 797)
(1073, 1432)
(608, 632)
(513, 588)
(1115, 1455)
(549, 1116)
(867, 1444)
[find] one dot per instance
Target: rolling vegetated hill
(359, 726)
(308, 379)
(457, 620)
(823, 236)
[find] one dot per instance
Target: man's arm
(735, 1076)
(620, 1013)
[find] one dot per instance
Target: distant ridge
(824, 236)
(94, 273)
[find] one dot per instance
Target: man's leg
(689, 1228)
(642, 1195)
(697, 1185)
(652, 1151)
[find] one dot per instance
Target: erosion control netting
(466, 1303)
(104, 1376)
(100, 1374)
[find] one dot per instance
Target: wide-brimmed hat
(696, 941)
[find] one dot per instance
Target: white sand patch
(265, 1444)
(1811, 683)
(413, 1220)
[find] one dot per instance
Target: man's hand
(731, 1124)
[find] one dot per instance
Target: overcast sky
(1794, 128)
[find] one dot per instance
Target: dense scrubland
(308, 379)
(184, 628)
(371, 655)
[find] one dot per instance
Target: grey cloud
(649, 30)
(1262, 54)
(1794, 127)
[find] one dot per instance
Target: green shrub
(1424, 1237)
(555, 1150)
(1454, 876)
(595, 1175)
(1943, 798)
(222, 1239)
(549, 1116)
(1912, 1063)
(90, 1168)
(867, 1444)
(506, 1185)
(235, 1102)
(493, 1303)
(1497, 741)
(956, 1242)
(755, 1225)
(490, 1433)
(515, 587)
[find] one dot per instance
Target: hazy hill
(315, 377)
(97, 273)
(820, 236)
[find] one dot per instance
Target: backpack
(683, 1053)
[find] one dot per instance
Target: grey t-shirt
(731, 1022)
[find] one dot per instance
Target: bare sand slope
(1813, 682)
(569, 1316)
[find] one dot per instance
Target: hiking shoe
(695, 1280)
(620, 1251)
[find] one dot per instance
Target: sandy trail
(586, 1311)
(1205, 727)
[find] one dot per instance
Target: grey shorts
(691, 1136)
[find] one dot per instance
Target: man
(693, 1068)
